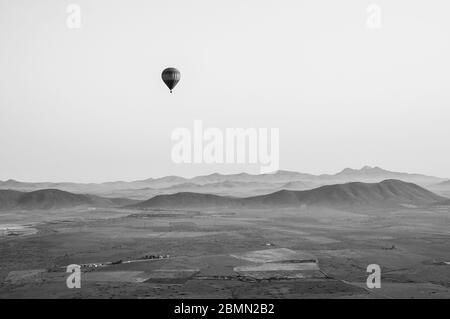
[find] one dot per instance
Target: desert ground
(225, 253)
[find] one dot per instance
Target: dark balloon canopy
(171, 76)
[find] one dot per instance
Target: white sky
(89, 104)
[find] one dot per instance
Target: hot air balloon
(171, 76)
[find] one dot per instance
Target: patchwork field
(304, 253)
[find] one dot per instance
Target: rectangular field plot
(274, 255)
(279, 267)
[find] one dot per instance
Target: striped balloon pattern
(171, 77)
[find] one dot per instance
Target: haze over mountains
(242, 185)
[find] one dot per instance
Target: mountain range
(241, 185)
(386, 193)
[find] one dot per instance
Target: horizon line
(218, 173)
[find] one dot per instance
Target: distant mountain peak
(284, 172)
(371, 168)
(214, 175)
(241, 174)
(365, 170)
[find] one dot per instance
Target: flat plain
(308, 252)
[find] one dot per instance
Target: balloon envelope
(171, 76)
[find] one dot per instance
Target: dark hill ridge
(385, 193)
(54, 198)
(51, 198)
(187, 199)
(9, 198)
(391, 192)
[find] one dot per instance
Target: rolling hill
(385, 193)
(9, 198)
(53, 199)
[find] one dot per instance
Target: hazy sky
(88, 104)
